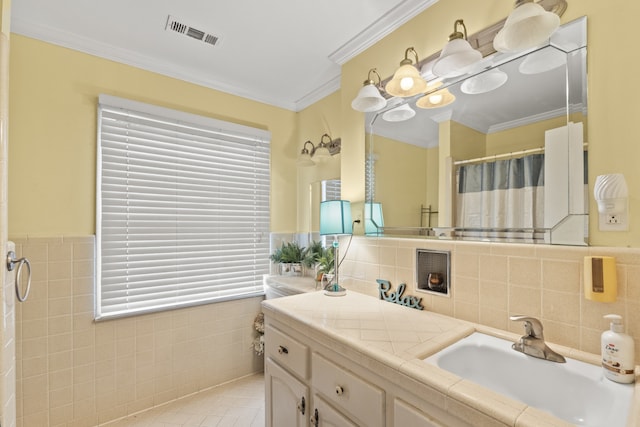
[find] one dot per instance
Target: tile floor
(239, 404)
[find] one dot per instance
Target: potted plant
(325, 265)
(289, 258)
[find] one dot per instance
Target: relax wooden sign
(384, 288)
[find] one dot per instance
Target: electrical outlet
(613, 219)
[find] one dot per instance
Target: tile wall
(492, 281)
(72, 371)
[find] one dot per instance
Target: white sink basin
(575, 391)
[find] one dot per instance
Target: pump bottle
(617, 352)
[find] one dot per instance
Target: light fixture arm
(406, 60)
(370, 81)
(322, 143)
(457, 34)
(304, 148)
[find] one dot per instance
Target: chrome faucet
(532, 343)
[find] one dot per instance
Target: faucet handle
(532, 326)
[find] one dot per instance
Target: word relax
(384, 286)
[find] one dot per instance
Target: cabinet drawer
(348, 392)
(287, 351)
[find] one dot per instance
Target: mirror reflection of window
(331, 190)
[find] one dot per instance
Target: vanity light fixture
(436, 99)
(527, 26)
(485, 82)
(304, 158)
(457, 56)
(369, 98)
(335, 219)
(399, 114)
(542, 61)
(406, 81)
(320, 153)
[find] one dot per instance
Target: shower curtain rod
(502, 156)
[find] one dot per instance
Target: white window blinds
(182, 209)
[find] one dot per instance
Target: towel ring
(11, 265)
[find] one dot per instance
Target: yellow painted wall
(53, 98)
(401, 175)
(613, 110)
(313, 122)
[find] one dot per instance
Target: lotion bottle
(617, 352)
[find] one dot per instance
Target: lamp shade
(335, 217)
(304, 160)
(368, 99)
(485, 82)
(321, 154)
(406, 82)
(527, 26)
(543, 60)
(373, 218)
(456, 58)
(399, 114)
(436, 99)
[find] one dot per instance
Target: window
(182, 209)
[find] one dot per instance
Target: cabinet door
(406, 415)
(287, 399)
(326, 416)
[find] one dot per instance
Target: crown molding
(396, 17)
(317, 94)
(135, 59)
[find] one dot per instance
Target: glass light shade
(543, 60)
(527, 26)
(485, 82)
(304, 160)
(455, 59)
(399, 114)
(321, 154)
(373, 218)
(368, 99)
(436, 99)
(335, 217)
(406, 82)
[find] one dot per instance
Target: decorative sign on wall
(384, 287)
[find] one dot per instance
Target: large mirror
(506, 160)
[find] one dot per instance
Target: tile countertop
(398, 338)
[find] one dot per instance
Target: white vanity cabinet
(342, 384)
(287, 398)
(340, 398)
(348, 392)
(406, 415)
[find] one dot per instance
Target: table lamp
(335, 219)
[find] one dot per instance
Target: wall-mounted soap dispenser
(600, 278)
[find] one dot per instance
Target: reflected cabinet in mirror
(498, 154)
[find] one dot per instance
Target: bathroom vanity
(358, 361)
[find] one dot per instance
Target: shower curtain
(502, 194)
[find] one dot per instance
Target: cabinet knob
(314, 418)
(339, 390)
(302, 405)
(283, 350)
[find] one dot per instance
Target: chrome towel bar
(11, 265)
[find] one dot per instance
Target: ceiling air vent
(178, 26)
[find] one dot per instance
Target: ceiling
(287, 54)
